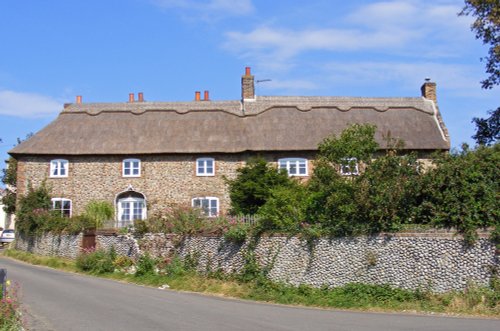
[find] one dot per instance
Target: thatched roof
(266, 124)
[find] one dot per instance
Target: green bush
(146, 265)
(236, 231)
(99, 212)
(253, 184)
(34, 210)
(462, 191)
(96, 262)
(285, 209)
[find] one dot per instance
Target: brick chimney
(247, 86)
(429, 90)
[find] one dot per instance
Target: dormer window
(205, 166)
(58, 168)
(349, 167)
(294, 166)
(131, 168)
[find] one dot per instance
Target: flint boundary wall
(438, 261)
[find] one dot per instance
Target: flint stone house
(143, 156)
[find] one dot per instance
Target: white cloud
(395, 28)
(209, 9)
(22, 104)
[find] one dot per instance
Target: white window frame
(346, 169)
(291, 163)
(128, 164)
(131, 215)
(62, 209)
(207, 212)
(59, 168)
(202, 170)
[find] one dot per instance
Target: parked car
(7, 236)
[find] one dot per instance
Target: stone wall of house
(164, 180)
(65, 245)
(437, 261)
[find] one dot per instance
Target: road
(55, 300)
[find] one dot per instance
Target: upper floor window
(62, 206)
(131, 168)
(208, 205)
(205, 166)
(349, 167)
(294, 166)
(59, 168)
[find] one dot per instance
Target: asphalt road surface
(60, 301)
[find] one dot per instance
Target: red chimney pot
(131, 97)
(78, 99)
(197, 96)
(205, 96)
(140, 96)
(247, 71)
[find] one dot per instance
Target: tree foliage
(487, 129)
(487, 28)
(9, 178)
(462, 191)
(253, 184)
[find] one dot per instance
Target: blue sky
(53, 50)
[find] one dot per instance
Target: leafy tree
(9, 178)
(285, 208)
(386, 193)
(34, 210)
(253, 184)
(487, 129)
(487, 28)
(332, 201)
(462, 191)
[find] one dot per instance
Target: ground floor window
(131, 206)
(208, 205)
(61, 205)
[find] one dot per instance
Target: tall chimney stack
(247, 86)
(429, 90)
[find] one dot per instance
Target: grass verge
(477, 301)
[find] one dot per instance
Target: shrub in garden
(99, 212)
(146, 265)
(253, 184)
(285, 209)
(34, 210)
(96, 261)
(462, 191)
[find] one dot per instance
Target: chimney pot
(131, 97)
(247, 86)
(197, 96)
(78, 99)
(205, 96)
(428, 90)
(140, 96)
